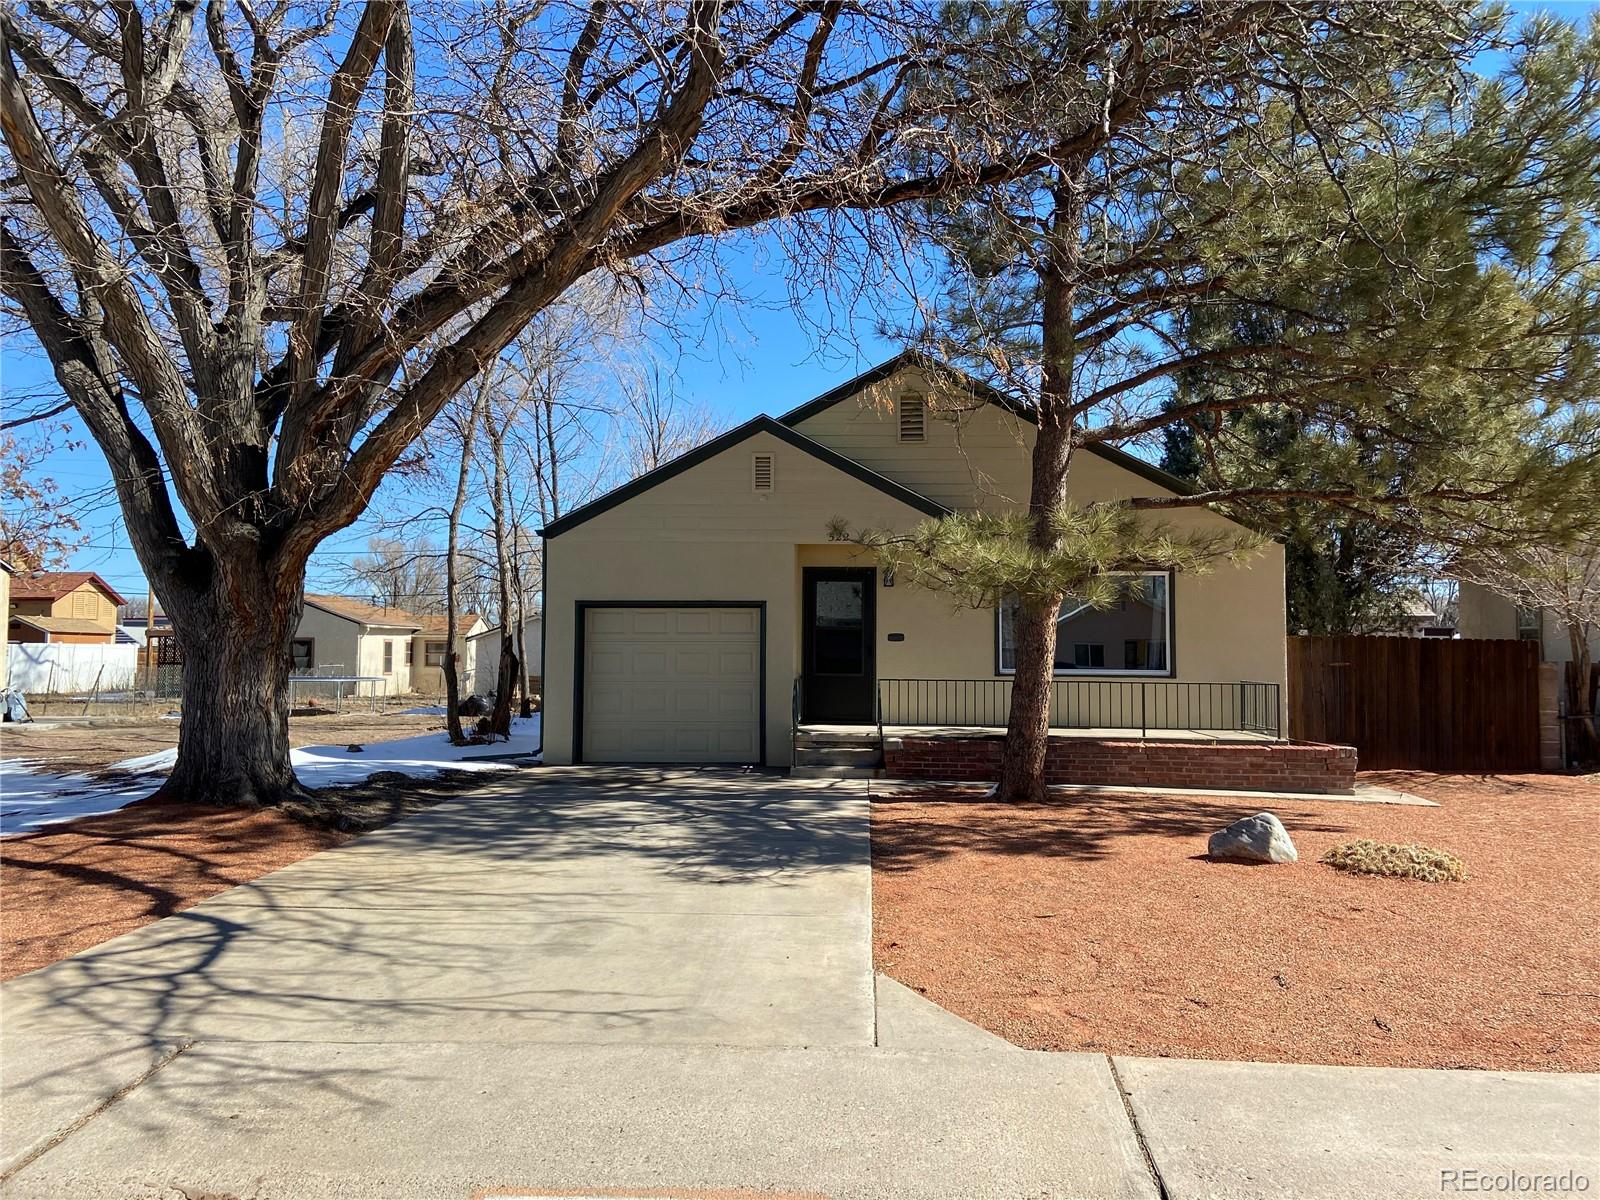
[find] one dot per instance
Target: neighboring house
(427, 654)
(139, 629)
(341, 636)
(691, 612)
(1417, 619)
(485, 654)
(6, 572)
(1487, 614)
(74, 607)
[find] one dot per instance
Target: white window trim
(1166, 672)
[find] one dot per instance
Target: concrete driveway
(575, 979)
(598, 907)
(645, 982)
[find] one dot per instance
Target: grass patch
(1366, 857)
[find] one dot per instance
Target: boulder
(1261, 838)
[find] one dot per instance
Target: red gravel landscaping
(1096, 922)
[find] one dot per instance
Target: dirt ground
(1098, 923)
(70, 748)
(83, 882)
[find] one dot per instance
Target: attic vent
(761, 472)
(913, 419)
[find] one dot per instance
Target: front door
(837, 676)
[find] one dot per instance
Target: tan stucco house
(341, 636)
(700, 613)
(63, 606)
(1487, 614)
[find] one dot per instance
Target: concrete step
(799, 772)
(838, 756)
(836, 735)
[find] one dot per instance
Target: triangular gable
(729, 440)
(983, 393)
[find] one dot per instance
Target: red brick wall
(1250, 766)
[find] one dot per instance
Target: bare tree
(464, 418)
(658, 425)
(1563, 582)
(403, 574)
(500, 416)
(264, 246)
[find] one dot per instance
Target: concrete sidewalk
(584, 982)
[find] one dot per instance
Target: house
(701, 614)
(341, 636)
(6, 572)
(427, 653)
(75, 607)
(485, 654)
(1487, 614)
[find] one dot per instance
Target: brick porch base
(1251, 766)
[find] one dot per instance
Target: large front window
(1132, 637)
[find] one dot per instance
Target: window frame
(388, 656)
(428, 651)
(311, 653)
(1170, 671)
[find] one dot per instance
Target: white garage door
(679, 685)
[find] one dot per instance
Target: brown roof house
(63, 606)
(339, 635)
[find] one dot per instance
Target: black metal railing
(1142, 704)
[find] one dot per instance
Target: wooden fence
(1433, 704)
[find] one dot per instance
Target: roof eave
(718, 445)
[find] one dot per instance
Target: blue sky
(763, 354)
(751, 357)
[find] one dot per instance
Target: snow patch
(29, 800)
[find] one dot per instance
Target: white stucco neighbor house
(339, 635)
(701, 614)
(484, 651)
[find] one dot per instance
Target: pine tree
(1320, 219)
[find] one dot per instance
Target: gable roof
(435, 622)
(366, 614)
(63, 625)
(52, 585)
(985, 393)
(743, 433)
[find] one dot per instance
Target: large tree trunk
(1022, 759)
(233, 738)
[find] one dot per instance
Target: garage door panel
(606, 620)
(738, 620)
(672, 685)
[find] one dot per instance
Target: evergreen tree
(1320, 218)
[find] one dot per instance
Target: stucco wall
(429, 681)
(370, 657)
(1486, 614)
(483, 653)
(335, 638)
(705, 535)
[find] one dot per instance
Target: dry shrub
(1366, 857)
